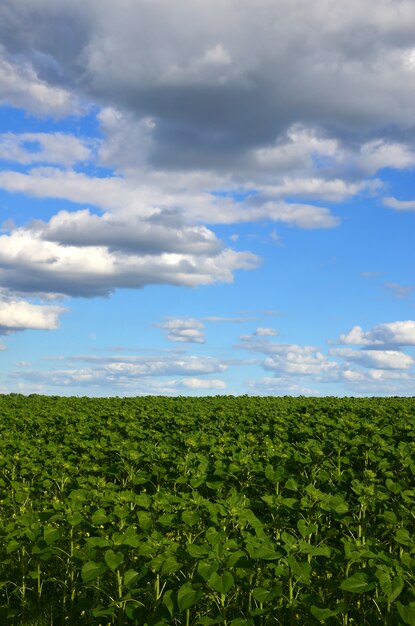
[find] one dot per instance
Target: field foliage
(221, 510)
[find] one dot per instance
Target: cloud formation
(400, 333)
(18, 315)
(187, 330)
(30, 263)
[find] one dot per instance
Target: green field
(221, 510)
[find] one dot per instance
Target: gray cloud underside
(161, 232)
(213, 97)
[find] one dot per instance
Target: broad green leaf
(12, 546)
(104, 612)
(113, 559)
(207, 568)
(221, 583)
(130, 577)
(190, 518)
(168, 601)
(74, 519)
(187, 596)
(391, 588)
(197, 551)
(291, 484)
(357, 583)
(121, 511)
(99, 517)
(92, 570)
(51, 535)
(97, 542)
(170, 565)
(403, 537)
(323, 613)
(407, 612)
(261, 594)
(306, 529)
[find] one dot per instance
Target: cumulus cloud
(31, 264)
(187, 330)
(401, 333)
(18, 315)
(160, 232)
(299, 360)
(291, 359)
(379, 359)
(204, 106)
(343, 64)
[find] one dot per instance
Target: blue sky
(222, 209)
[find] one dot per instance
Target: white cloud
(56, 148)
(399, 205)
(377, 154)
(265, 331)
(379, 359)
(136, 374)
(17, 315)
(30, 264)
(401, 333)
(200, 383)
(185, 330)
(294, 359)
(299, 360)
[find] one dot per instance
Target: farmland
(220, 510)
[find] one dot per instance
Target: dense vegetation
(207, 511)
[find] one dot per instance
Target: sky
(207, 197)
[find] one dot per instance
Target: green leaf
(221, 583)
(407, 612)
(121, 511)
(322, 614)
(338, 505)
(291, 484)
(197, 551)
(99, 517)
(261, 594)
(104, 612)
(74, 519)
(92, 570)
(207, 568)
(187, 596)
(190, 517)
(357, 583)
(51, 535)
(170, 565)
(113, 559)
(130, 577)
(403, 537)
(306, 529)
(391, 588)
(12, 546)
(168, 601)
